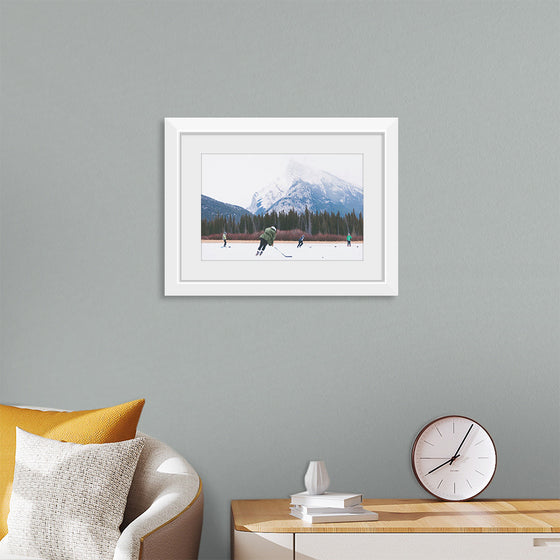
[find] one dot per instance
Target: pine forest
(316, 226)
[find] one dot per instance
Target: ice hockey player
(348, 240)
(300, 241)
(224, 238)
(267, 238)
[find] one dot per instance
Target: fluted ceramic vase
(316, 478)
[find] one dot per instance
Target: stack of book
(330, 507)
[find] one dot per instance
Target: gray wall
(250, 389)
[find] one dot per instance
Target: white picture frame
(188, 139)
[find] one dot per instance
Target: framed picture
(281, 206)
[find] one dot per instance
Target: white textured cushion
(68, 499)
(17, 557)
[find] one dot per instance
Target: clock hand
(456, 455)
(461, 445)
(443, 464)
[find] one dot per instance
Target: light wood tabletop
(409, 516)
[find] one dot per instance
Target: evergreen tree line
(311, 223)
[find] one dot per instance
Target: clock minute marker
(438, 432)
(468, 482)
(479, 442)
(479, 472)
(429, 442)
(440, 483)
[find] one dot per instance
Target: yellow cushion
(104, 425)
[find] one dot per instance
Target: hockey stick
(287, 256)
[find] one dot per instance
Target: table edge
(343, 527)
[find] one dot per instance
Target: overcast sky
(234, 178)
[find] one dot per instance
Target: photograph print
(282, 207)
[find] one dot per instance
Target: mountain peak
(297, 171)
(302, 186)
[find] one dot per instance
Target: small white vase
(316, 478)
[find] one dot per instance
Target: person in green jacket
(348, 239)
(267, 238)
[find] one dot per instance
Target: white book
(312, 510)
(328, 499)
(365, 515)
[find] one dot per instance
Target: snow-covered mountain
(301, 187)
(210, 208)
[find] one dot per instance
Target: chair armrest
(160, 532)
(163, 517)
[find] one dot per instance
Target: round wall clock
(454, 458)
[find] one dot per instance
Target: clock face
(454, 458)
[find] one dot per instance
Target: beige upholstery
(163, 516)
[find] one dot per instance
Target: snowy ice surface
(215, 251)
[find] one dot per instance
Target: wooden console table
(406, 529)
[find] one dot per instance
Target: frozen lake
(246, 251)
